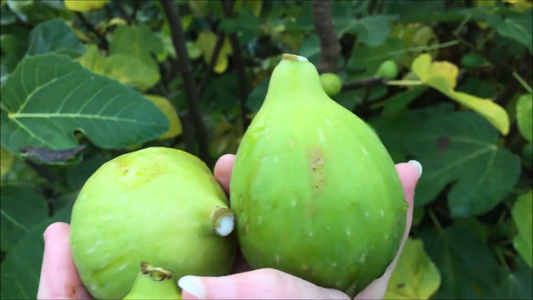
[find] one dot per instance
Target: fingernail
(192, 285)
(417, 165)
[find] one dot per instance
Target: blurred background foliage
(445, 82)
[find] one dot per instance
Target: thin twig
(330, 48)
(365, 82)
(212, 62)
(178, 39)
(123, 12)
(103, 42)
(136, 7)
(238, 64)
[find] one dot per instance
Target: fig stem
(223, 221)
(156, 273)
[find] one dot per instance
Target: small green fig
(153, 283)
(159, 205)
(331, 83)
(388, 69)
(314, 191)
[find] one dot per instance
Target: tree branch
(103, 42)
(330, 48)
(365, 82)
(239, 65)
(178, 39)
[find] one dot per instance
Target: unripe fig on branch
(388, 69)
(157, 205)
(331, 83)
(314, 190)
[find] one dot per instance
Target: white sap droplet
(328, 122)
(364, 151)
(123, 266)
(363, 258)
(382, 213)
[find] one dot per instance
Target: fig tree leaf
(21, 209)
(246, 25)
(129, 69)
(460, 149)
(515, 285)
(415, 275)
(92, 59)
(6, 161)
(524, 116)
(467, 266)
(21, 270)
(522, 217)
(55, 36)
(138, 41)
(49, 96)
(371, 31)
(442, 76)
(166, 107)
(365, 61)
(517, 26)
(401, 100)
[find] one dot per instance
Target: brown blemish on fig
(317, 170)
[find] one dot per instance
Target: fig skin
(314, 190)
(153, 283)
(156, 205)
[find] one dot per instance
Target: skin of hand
(60, 280)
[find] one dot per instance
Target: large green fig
(159, 205)
(314, 190)
(153, 283)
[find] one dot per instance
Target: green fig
(153, 283)
(160, 205)
(388, 69)
(331, 83)
(314, 191)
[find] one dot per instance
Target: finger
(409, 174)
(223, 169)
(258, 284)
(59, 277)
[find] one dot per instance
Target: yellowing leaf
(524, 118)
(415, 275)
(521, 5)
(92, 59)
(6, 160)
(442, 76)
(129, 69)
(521, 214)
(206, 42)
(85, 5)
(166, 107)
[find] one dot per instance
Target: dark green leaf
(138, 41)
(479, 88)
(515, 285)
(372, 30)
(50, 96)
(350, 99)
(365, 61)
(517, 27)
(472, 61)
(400, 101)
(257, 96)
(55, 36)
(21, 269)
(246, 25)
(21, 208)
(468, 267)
(461, 150)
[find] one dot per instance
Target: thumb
(257, 284)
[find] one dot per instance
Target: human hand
(59, 277)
